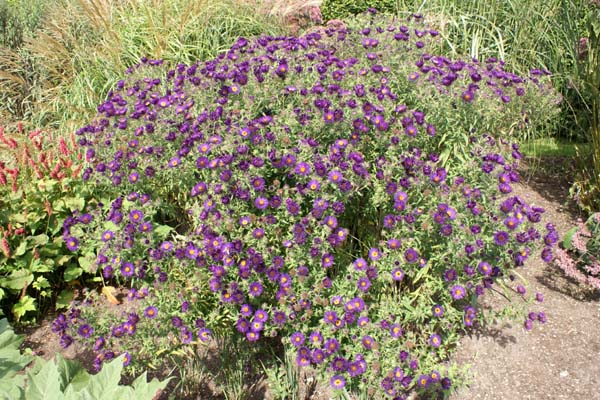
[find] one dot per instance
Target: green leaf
(26, 303)
(68, 370)
(17, 280)
(62, 259)
(11, 363)
(147, 390)
(74, 203)
(13, 388)
(41, 283)
(163, 230)
(87, 262)
(21, 249)
(78, 383)
(104, 385)
(568, 238)
(19, 218)
(64, 299)
(39, 240)
(44, 385)
(38, 265)
(72, 272)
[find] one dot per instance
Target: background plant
(580, 253)
(586, 89)
(39, 187)
(67, 67)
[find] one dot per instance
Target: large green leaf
(45, 385)
(568, 238)
(74, 203)
(21, 249)
(72, 272)
(64, 299)
(39, 240)
(147, 390)
(68, 371)
(17, 280)
(87, 262)
(11, 362)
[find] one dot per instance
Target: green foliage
(83, 47)
(284, 378)
(38, 191)
(19, 19)
(586, 86)
(63, 379)
(340, 9)
(12, 362)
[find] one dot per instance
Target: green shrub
(347, 194)
(39, 188)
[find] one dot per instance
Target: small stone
(564, 374)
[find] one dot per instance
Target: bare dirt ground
(556, 360)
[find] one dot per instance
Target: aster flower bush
(344, 193)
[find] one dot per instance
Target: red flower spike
(5, 247)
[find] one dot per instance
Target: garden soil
(556, 360)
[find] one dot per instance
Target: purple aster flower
(397, 274)
(127, 269)
(423, 381)
(174, 162)
(411, 256)
(150, 312)
(458, 292)
(204, 334)
(363, 284)
(435, 340)
(437, 310)
(316, 338)
(335, 176)
(72, 243)
(85, 331)
(297, 339)
(136, 216)
(65, 341)
(261, 315)
(485, 268)
(374, 254)
(99, 343)
(107, 235)
(327, 260)
(468, 96)
(396, 330)
(255, 289)
(261, 203)
(501, 238)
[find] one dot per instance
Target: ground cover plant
(345, 193)
(579, 253)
